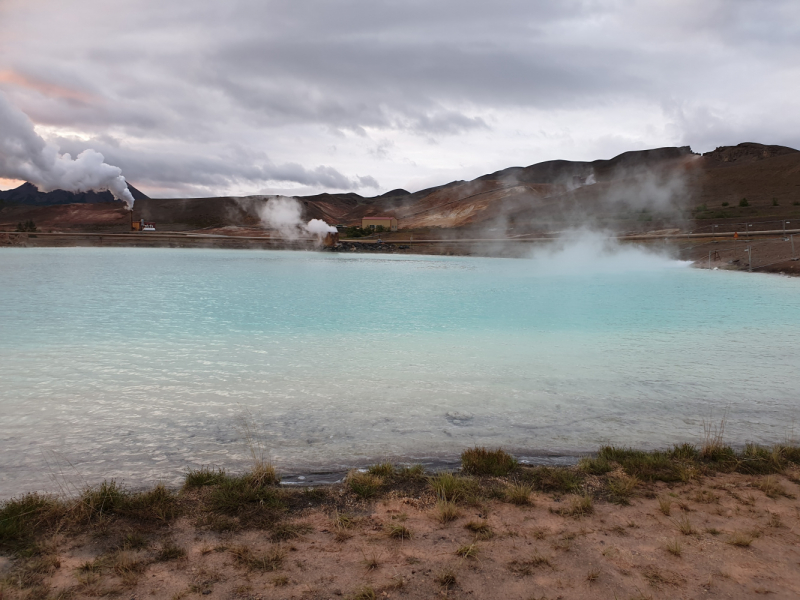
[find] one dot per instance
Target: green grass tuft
(203, 476)
(21, 518)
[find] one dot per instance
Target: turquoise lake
(137, 364)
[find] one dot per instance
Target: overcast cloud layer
(256, 96)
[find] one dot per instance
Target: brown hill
(635, 191)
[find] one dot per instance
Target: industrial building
(388, 223)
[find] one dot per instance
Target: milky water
(139, 363)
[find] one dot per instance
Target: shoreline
(685, 522)
(720, 251)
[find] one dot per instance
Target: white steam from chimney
(285, 214)
(25, 155)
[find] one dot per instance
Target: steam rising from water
(25, 155)
(285, 214)
(585, 251)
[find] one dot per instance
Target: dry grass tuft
(774, 520)
(289, 531)
(446, 579)
(481, 529)
(468, 551)
(364, 485)
(399, 532)
(272, 560)
(526, 567)
(685, 526)
(382, 470)
(741, 539)
(621, 489)
(446, 512)
(480, 461)
(593, 575)
(705, 497)
(674, 547)
(519, 494)
(664, 505)
(451, 488)
(170, 551)
(364, 593)
(579, 506)
(771, 487)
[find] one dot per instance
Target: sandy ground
(529, 551)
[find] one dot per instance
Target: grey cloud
(183, 85)
(187, 174)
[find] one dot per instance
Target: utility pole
(709, 261)
(792, 240)
(750, 258)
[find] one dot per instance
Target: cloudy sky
(302, 96)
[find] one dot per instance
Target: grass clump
(412, 473)
(758, 460)
(526, 567)
(22, 518)
(451, 488)
(621, 489)
(235, 493)
(467, 551)
(399, 532)
(685, 526)
(593, 575)
(382, 470)
(289, 531)
(579, 506)
(595, 466)
(519, 494)
(446, 512)
(771, 487)
(664, 505)
(553, 479)
(446, 579)
(674, 547)
(101, 499)
(481, 529)
(480, 461)
(365, 593)
(741, 539)
(203, 476)
(647, 466)
(269, 561)
(364, 485)
(170, 551)
(158, 504)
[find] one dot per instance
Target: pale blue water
(139, 363)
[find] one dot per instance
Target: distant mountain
(639, 190)
(29, 195)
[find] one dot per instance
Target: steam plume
(25, 155)
(285, 214)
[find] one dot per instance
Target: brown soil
(531, 551)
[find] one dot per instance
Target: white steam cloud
(285, 214)
(583, 251)
(25, 155)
